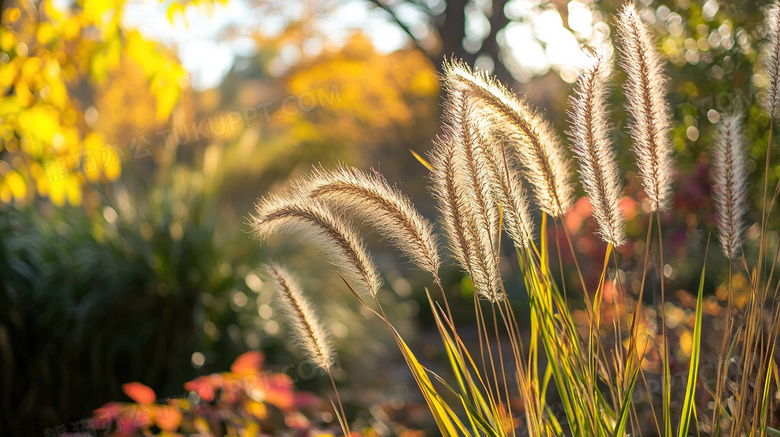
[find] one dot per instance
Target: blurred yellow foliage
(358, 100)
(122, 105)
(740, 291)
(361, 76)
(350, 103)
(50, 56)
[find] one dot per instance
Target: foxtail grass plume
(471, 172)
(461, 185)
(371, 198)
(592, 143)
(473, 251)
(508, 190)
(646, 102)
(312, 221)
(539, 150)
(471, 164)
(730, 177)
(770, 53)
(450, 200)
(307, 327)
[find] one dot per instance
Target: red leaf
(278, 391)
(139, 392)
(106, 414)
(205, 386)
(249, 362)
(305, 400)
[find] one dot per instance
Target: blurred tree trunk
(448, 28)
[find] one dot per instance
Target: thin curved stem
(343, 421)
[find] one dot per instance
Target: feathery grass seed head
(539, 150)
(462, 186)
(730, 177)
(450, 199)
(506, 186)
(592, 143)
(370, 197)
(313, 221)
(646, 103)
(770, 54)
(314, 339)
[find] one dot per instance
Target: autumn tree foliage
(54, 59)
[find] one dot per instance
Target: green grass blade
(690, 391)
(474, 416)
(625, 410)
(458, 354)
(466, 403)
(442, 413)
(469, 388)
(541, 310)
(766, 394)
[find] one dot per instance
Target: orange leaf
(139, 392)
(167, 418)
(278, 391)
(249, 362)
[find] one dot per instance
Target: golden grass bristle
(592, 146)
(770, 55)
(371, 198)
(729, 174)
(307, 327)
(538, 149)
(312, 221)
(645, 89)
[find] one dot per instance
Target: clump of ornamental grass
(493, 146)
